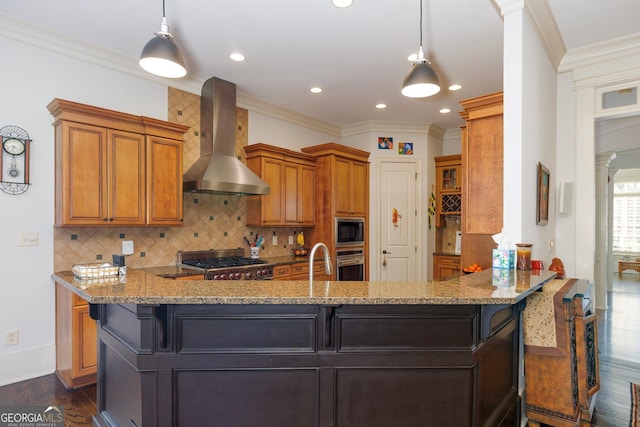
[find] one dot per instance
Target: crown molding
(601, 53)
(373, 126)
(24, 32)
(547, 29)
(289, 116)
(543, 23)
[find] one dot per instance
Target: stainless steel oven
(349, 232)
(350, 265)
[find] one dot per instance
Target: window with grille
(626, 216)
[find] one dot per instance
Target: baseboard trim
(27, 364)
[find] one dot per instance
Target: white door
(397, 221)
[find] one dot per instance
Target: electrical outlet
(127, 247)
(12, 337)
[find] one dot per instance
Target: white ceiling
(357, 55)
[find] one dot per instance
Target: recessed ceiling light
(381, 106)
(455, 87)
(237, 57)
(445, 110)
(342, 3)
(316, 89)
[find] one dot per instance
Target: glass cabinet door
(449, 179)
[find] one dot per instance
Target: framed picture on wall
(542, 214)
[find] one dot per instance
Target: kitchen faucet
(327, 260)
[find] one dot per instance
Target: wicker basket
(94, 271)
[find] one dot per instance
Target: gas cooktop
(226, 264)
(211, 263)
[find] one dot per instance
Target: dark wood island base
(308, 365)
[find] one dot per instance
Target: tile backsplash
(211, 220)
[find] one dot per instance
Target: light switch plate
(291, 240)
(127, 247)
(274, 240)
(29, 239)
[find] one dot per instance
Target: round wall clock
(14, 160)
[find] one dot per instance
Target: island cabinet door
(218, 365)
(423, 366)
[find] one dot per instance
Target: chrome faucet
(327, 260)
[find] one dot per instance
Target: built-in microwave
(349, 232)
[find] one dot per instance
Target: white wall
(566, 171)
(529, 133)
(34, 78)
(267, 129)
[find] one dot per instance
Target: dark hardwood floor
(618, 337)
(619, 345)
(79, 405)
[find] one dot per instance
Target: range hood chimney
(218, 170)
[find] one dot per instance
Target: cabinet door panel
(341, 187)
(83, 170)
(259, 397)
(291, 190)
(272, 204)
(307, 197)
(126, 178)
(84, 342)
(164, 181)
(483, 177)
(359, 183)
(390, 396)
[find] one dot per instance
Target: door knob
(384, 251)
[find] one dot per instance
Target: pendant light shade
(161, 56)
(422, 80)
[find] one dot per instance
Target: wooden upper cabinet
(299, 194)
(351, 187)
(291, 177)
(126, 178)
(164, 181)
(115, 169)
(482, 190)
(448, 195)
(449, 174)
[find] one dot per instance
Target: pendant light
(161, 56)
(421, 81)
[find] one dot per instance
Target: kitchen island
(269, 353)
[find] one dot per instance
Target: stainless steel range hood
(218, 170)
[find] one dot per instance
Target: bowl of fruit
(473, 268)
(300, 251)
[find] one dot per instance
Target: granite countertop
(141, 287)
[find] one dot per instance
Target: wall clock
(14, 161)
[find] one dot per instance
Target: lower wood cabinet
(308, 365)
(76, 340)
(445, 265)
(300, 271)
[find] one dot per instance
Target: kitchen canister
(255, 252)
(523, 256)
